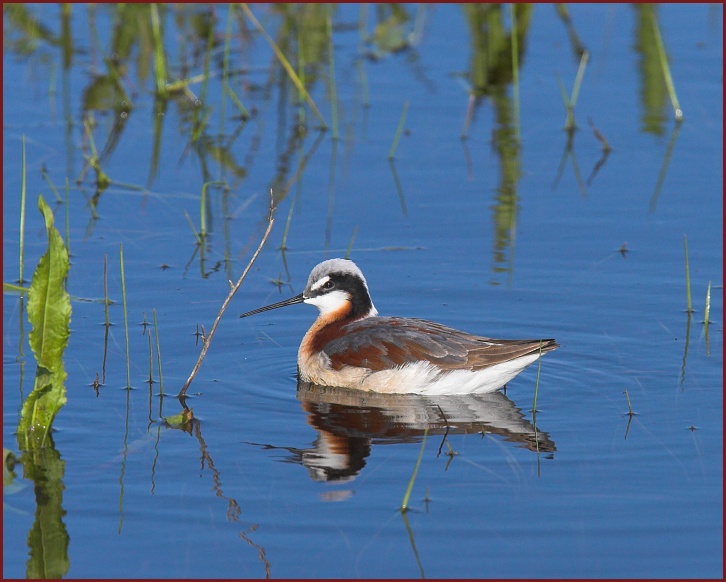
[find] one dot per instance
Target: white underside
(426, 379)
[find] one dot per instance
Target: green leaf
(49, 306)
(49, 313)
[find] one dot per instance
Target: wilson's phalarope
(350, 346)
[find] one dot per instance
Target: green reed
(126, 318)
(630, 408)
(412, 480)
(571, 101)
(283, 243)
(350, 244)
(663, 58)
(707, 309)
(22, 211)
(399, 131)
(106, 301)
(536, 384)
(147, 332)
(689, 307)
(158, 352)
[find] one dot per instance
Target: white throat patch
(329, 301)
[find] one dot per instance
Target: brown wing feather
(380, 343)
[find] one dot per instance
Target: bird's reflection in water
(349, 422)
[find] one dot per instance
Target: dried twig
(208, 339)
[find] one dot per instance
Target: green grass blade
(707, 309)
(22, 213)
(536, 384)
(677, 111)
(283, 244)
(578, 79)
(404, 504)
(350, 244)
(158, 353)
(126, 318)
(399, 131)
(689, 307)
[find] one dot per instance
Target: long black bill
(291, 301)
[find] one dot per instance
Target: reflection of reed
(491, 72)
(186, 422)
(233, 508)
(259, 548)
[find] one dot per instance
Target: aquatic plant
(49, 314)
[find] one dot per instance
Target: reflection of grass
(515, 69)
(159, 58)
(333, 91)
(286, 64)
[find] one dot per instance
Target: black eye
(328, 285)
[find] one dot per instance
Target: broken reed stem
(208, 338)
(126, 318)
(404, 504)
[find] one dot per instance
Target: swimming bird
(349, 345)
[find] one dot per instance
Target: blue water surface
(269, 481)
